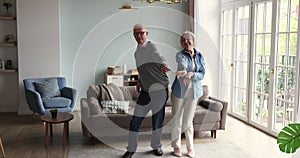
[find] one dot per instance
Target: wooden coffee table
(61, 118)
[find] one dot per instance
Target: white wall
(38, 42)
(101, 37)
(207, 34)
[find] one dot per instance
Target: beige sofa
(210, 114)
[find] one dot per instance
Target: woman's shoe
(191, 153)
(177, 152)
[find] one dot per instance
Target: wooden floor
(23, 137)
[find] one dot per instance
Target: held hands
(186, 76)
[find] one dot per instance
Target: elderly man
(153, 88)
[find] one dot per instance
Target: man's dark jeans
(154, 101)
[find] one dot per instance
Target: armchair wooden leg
(2, 149)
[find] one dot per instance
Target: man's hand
(165, 68)
(138, 87)
(187, 78)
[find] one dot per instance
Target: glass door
(274, 64)
(240, 62)
(227, 48)
(261, 62)
(285, 64)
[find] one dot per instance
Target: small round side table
(62, 117)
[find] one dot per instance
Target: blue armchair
(43, 94)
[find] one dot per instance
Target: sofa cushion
(94, 106)
(212, 105)
(48, 88)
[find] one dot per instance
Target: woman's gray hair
(188, 35)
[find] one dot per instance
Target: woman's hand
(187, 78)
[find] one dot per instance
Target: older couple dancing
(153, 89)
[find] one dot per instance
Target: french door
(261, 77)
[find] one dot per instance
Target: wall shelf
(9, 70)
(122, 79)
(8, 18)
(8, 44)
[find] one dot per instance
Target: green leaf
(289, 138)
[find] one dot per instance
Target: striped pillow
(115, 106)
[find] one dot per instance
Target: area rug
(205, 150)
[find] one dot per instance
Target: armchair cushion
(56, 102)
(48, 88)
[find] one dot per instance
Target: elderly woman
(186, 90)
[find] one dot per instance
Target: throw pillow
(104, 93)
(115, 92)
(48, 88)
(126, 93)
(93, 91)
(115, 106)
(133, 92)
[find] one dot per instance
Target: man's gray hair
(137, 26)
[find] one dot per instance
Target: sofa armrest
(212, 105)
(84, 110)
(85, 114)
(223, 112)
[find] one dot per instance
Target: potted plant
(53, 112)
